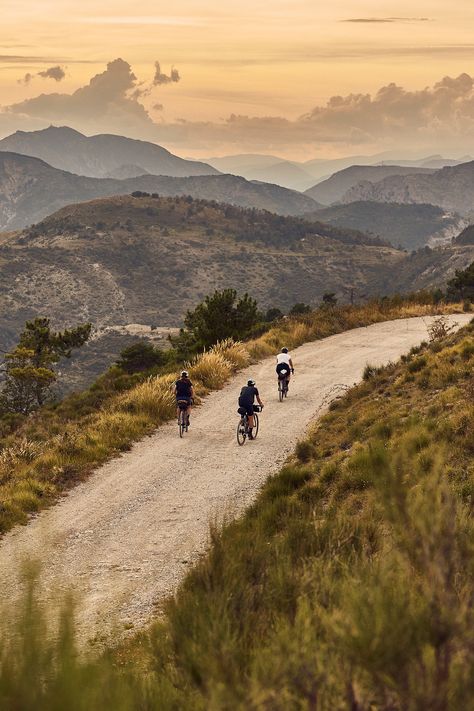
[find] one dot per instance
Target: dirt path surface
(124, 539)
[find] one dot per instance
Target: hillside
(31, 189)
(408, 226)
(100, 156)
(451, 188)
(466, 236)
(334, 188)
(146, 260)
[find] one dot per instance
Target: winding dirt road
(124, 539)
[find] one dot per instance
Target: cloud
(110, 102)
(161, 78)
(439, 117)
(386, 19)
(105, 101)
(433, 118)
(57, 73)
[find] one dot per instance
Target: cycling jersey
(283, 358)
(248, 395)
(183, 389)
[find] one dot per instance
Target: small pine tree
(29, 367)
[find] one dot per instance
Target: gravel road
(124, 539)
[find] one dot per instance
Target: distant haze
(298, 80)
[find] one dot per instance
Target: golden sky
(271, 58)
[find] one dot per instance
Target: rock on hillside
(451, 188)
(334, 188)
(100, 156)
(31, 189)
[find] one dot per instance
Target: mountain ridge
(100, 155)
(31, 189)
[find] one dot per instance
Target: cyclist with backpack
(284, 365)
(184, 392)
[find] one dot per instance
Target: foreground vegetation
(347, 585)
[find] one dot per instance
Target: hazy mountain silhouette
(100, 156)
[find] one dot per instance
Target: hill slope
(31, 189)
(100, 156)
(145, 260)
(335, 187)
(407, 225)
(451, 188)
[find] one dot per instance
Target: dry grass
(34, 472)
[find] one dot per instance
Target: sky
(297, 78)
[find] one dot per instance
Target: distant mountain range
(30, 189)
(334, 188)
(408, 226)
(101, 156)
(304, 175)
(451, 188)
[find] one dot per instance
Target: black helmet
(250, 382)
(284, 350)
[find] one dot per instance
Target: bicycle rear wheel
(241, 435)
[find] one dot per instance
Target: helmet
(284, 350)
(250, 382)
(184, 374)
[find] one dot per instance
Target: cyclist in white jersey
(285, 364)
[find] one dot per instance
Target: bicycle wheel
(241, 433)
(255, 425)
(280, 390)
(182, 422)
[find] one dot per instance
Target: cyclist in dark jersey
(184, 390)
(246, 400)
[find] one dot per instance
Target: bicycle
(183, 422)
(243, 426)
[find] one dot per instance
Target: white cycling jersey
(283, 358)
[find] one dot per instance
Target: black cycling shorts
(281, 368)
(248, 406)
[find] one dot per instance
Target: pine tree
(29, 367)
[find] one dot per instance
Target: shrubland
(347, 585)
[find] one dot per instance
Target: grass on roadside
(54, 448)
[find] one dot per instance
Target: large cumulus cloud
(440, 117)
(110, 101)
(437, 117)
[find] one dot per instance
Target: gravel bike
(183, 420)
(243, 426)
